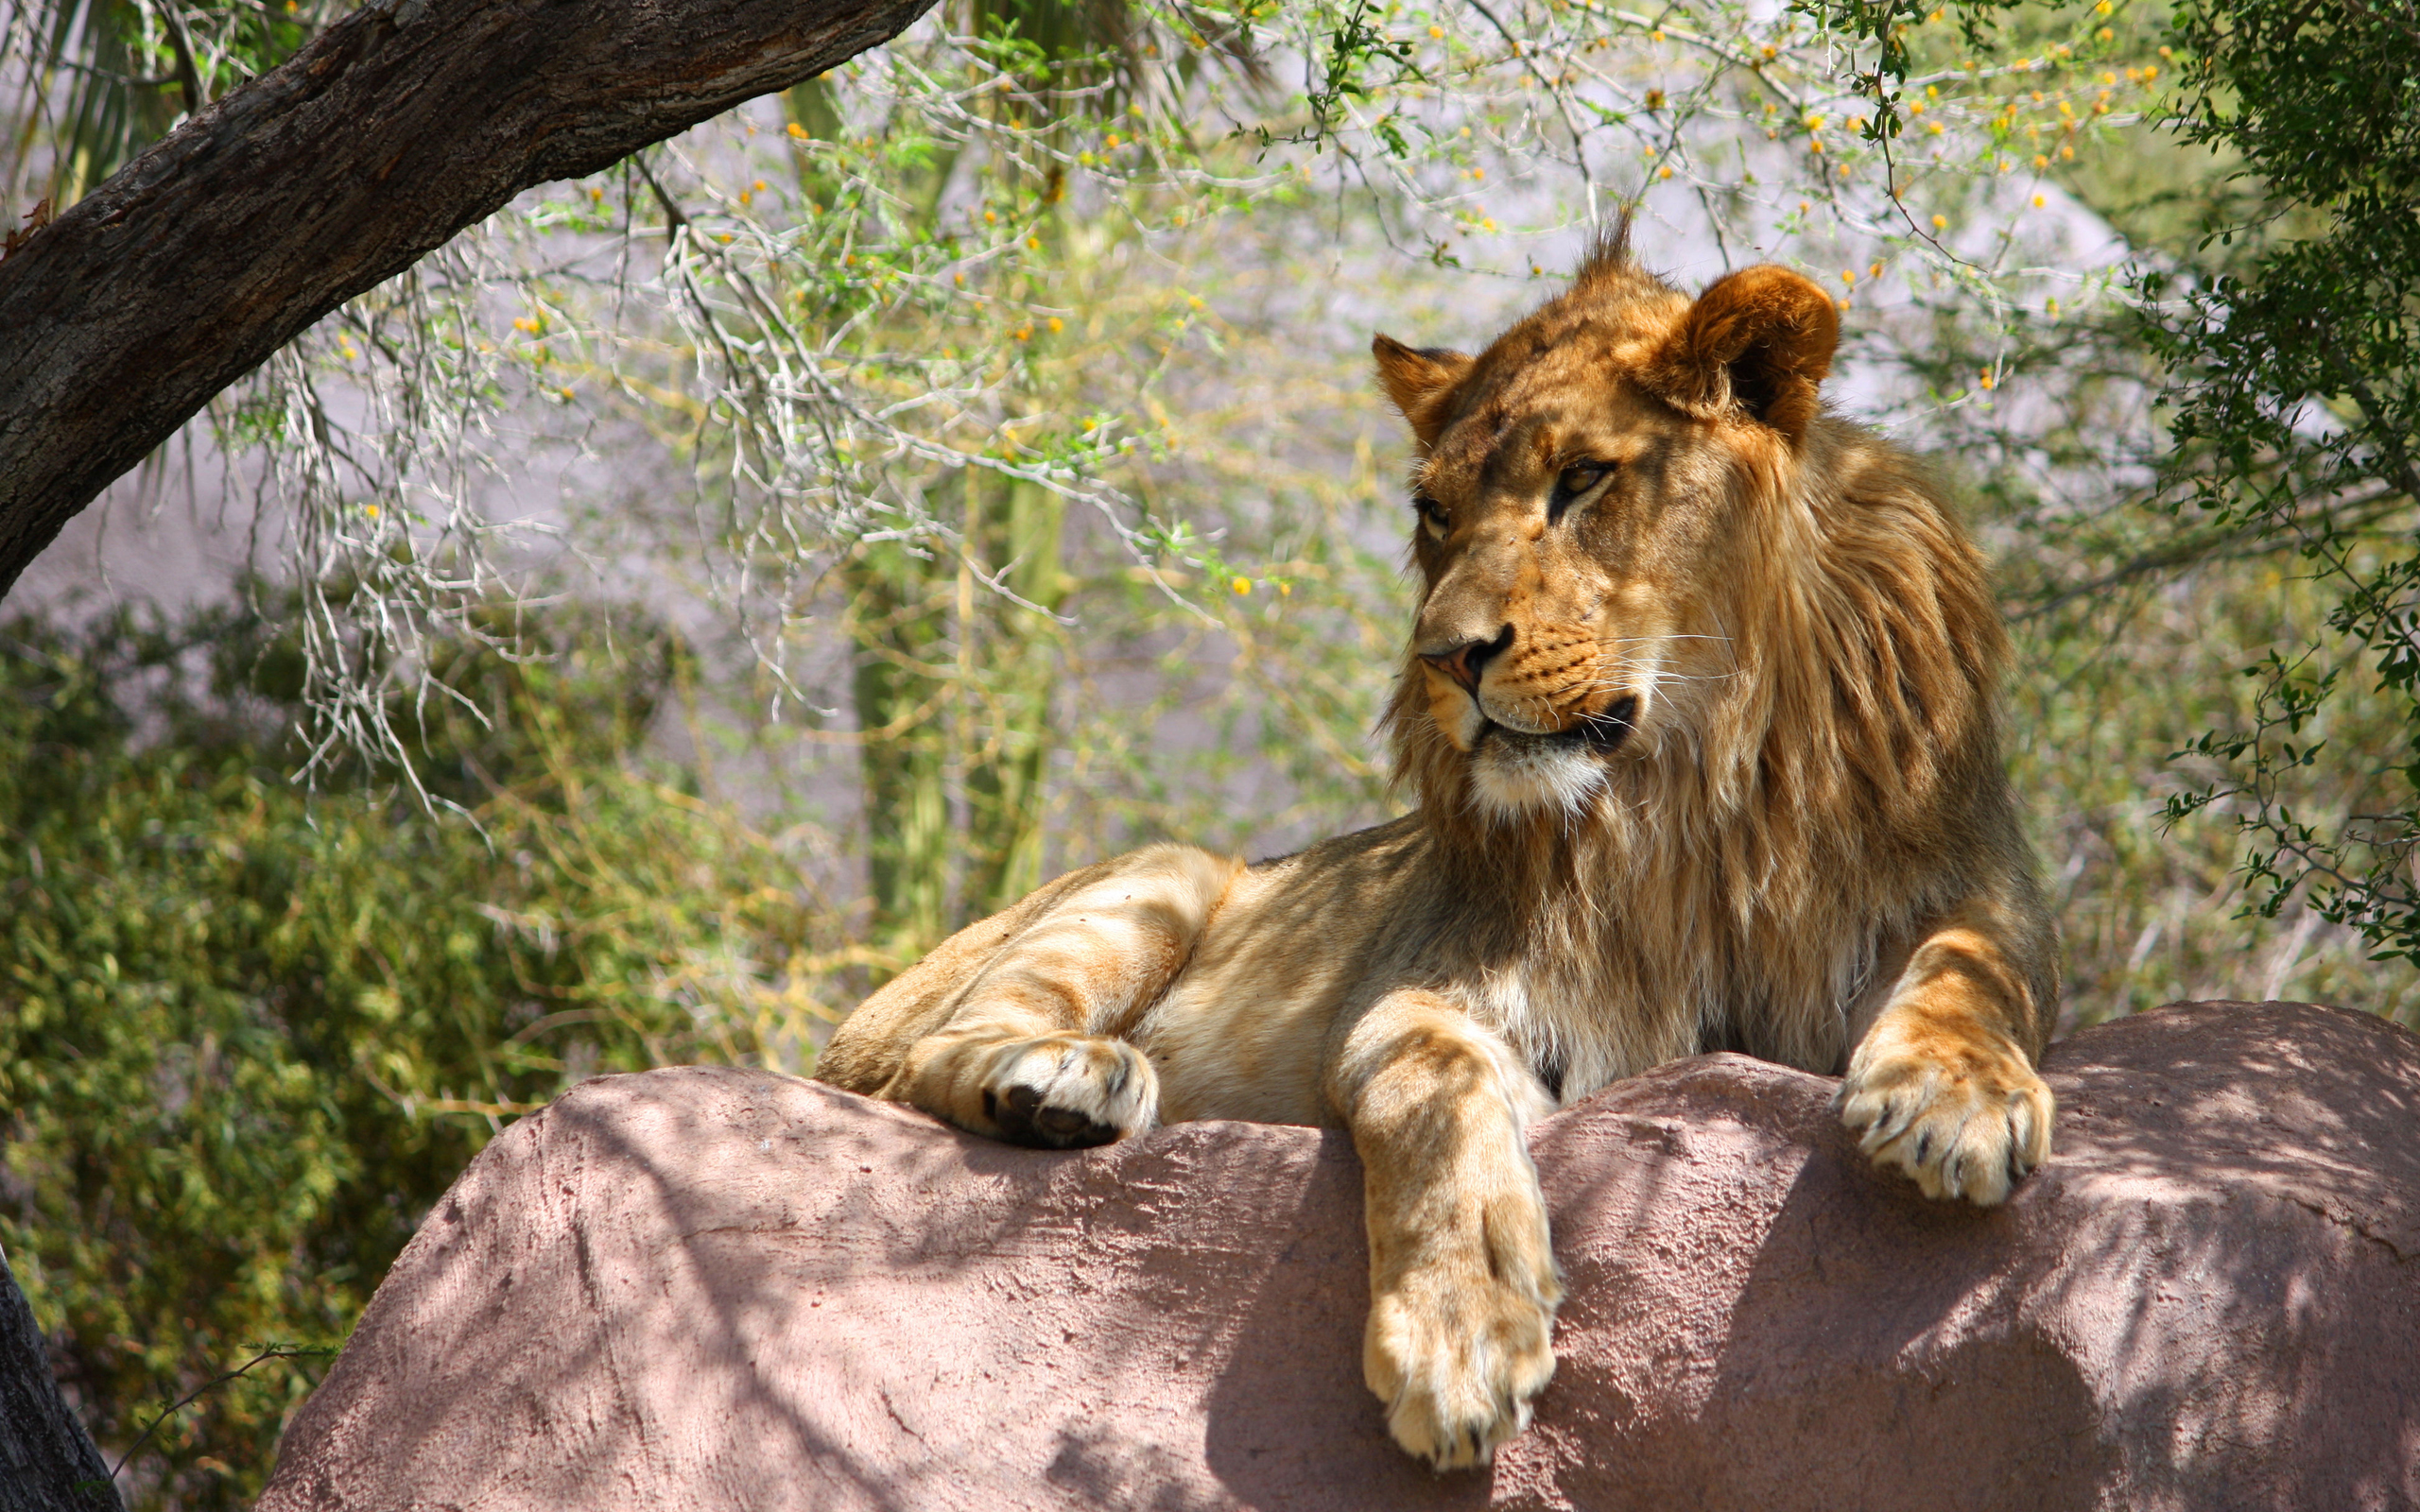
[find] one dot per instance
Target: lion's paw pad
(1067, 1091)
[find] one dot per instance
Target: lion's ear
(1761, 339)
(1421, 380)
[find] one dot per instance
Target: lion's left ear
(1761, 339)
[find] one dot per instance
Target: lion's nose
(1464, 660)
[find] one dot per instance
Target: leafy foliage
(246, 1036)
(2295, 377)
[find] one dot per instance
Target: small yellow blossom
(1664, 172)
(1436, 32)
(2040, 162)
(2037, 201)
(1243, 585)
(1987, 380)
(370, 509)
(1848, 275)
(796, 130)
(1941, 222)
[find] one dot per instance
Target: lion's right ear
(1760, 339)
(1421, 380)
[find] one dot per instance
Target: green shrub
(248, 1034)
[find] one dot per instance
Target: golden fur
(1699, 716)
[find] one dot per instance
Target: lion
(1699, 719)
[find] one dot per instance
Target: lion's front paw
(1965, 1120)
(1459, 1346)
(1068, 1090)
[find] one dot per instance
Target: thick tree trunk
(399, 126)
(47, 1463)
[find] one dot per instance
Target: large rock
(724, 1289)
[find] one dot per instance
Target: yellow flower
(1285, 590)
(370, 509)
(1941, 222)
(1987, 380)
(2041, 162)
(1664, 172)
(1243, 585)
(1057, 324)
(2037, 201)
(1033, 244)
(796, 130)
(1848, 275)
(991, 219)
(1876, 269)
(1438, 33)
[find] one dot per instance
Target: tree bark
(396, 127)
(47, 1461)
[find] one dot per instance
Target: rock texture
(717, 1289)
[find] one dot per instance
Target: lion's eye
(1580, 477)
(1432, 511)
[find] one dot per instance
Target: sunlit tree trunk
(904, 687)
(1019, 535)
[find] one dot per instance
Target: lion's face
(1580, 500)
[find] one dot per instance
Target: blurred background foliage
(689, 596)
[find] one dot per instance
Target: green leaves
(2294, 382)
(248, 1035)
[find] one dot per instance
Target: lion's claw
(1969, 1125)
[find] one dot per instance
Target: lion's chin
(1513, 775)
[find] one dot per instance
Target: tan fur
(1699, 718)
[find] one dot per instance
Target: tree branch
(392, 130)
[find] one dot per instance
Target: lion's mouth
(1599, 731)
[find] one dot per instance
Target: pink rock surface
(719, 1288)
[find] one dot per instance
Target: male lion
(1699, 711)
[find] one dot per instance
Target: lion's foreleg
(1463, 1282)
(1943, 1086)
(1031, 1048)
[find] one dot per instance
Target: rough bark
(396, 127)
(47, 1461)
